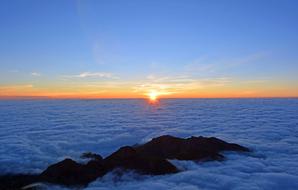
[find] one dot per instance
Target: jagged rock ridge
(149, 158)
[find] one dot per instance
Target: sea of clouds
(37, 133)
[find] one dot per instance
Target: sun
(153, 95)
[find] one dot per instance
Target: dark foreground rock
(71, 173)
(150, 158)
(16, 182)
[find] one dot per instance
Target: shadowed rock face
(128, 158)
(150, 158)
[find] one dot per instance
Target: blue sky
(45, 44)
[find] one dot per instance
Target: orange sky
(221, 88)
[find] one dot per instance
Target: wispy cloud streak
(36, 74)
(92, 75)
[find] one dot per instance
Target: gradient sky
(127, 49)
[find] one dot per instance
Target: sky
(132, 48)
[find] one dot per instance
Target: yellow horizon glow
(234, 89)
(152, 98)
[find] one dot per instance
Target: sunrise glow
(153, 95)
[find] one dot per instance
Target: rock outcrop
(150, 158)
(194, 148)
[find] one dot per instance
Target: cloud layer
(37, 133)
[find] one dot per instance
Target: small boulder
(90, 155)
